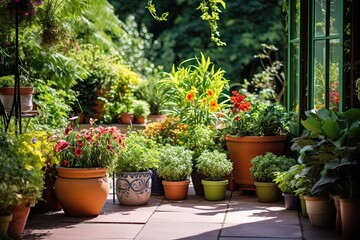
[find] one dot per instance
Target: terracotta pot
(243, 149)
(196, 179)
(140, 119)
(133, 188)
(126, 118)
(350, 213)
(20, 216)
(267, 192)
(156, 118)
(4, 224)
(82, 192)
(215, 190)
(321, 211)
(176, 190)
(26, 93)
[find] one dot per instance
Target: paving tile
(89, 231)
(262, 230)
(180, 230)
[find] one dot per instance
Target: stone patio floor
(238, 217)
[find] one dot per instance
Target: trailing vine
(210, 13)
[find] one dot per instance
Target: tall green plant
(193, 91)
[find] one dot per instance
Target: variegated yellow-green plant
(192, 91)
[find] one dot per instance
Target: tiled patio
(239, 217)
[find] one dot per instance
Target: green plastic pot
(267, 192)
(214, 190)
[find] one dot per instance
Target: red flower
(65, 163)
(61, 145)
(80, 143)
(78, 152)
(67, 130)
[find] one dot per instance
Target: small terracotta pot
(20, 216)
(126, 118)
(176, 190)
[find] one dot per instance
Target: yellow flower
(214, 106)
(203, 101)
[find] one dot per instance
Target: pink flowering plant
(90, 148)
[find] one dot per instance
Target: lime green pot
(267, 192)
(214, 190)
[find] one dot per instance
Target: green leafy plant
(140, 154)
(192, 92)
(265, 166)
(255, 118)
(141, 108)
(21, 174)
(89, 148)
(175, 163)
(329, 146)
(198, 138)
(214, 165)
(286, 180)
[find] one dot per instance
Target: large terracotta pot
(26, 93)
(4, 224)
(243, 149)
(133, 188)
(350, 214)
(176, 190)
(82, 192)
(321, 211)
(20, 215)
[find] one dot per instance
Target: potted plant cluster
(198, 138)
(330, 146)
(175, 166)
(86, 157)
(286, 182)
(141, 111)
(134, 164)
(215, 166)
(21, 182)
(250, 130)
(263, 172)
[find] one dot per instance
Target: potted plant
(285, 181)
(198, 138)
(175, 165)
(23, 165)
(7, 93)
(250, 130)
(330, 147)
(141, 111)
(149, 91)
(86, 157)
(215, 166)
(134, 169)
(263, 172)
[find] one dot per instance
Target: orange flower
(190, 96)
(214, 106)
(210, 93)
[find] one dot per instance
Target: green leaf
(331, 129)
(312, 124)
